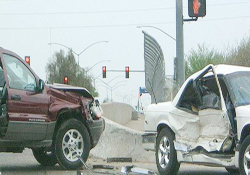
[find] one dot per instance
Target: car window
(2, 79)
(189, 100)
(203, 94)
(239, 84)
(19, 76)
(209, 93)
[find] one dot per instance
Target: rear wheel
(244, 157)
(166, 158)
(72, 140)
(45, 156)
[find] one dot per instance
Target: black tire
(244, 156)
(72, 140)
(45, 156)
(233, 170)
(166, 158)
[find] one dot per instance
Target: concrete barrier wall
(118, 112)
(120, 141)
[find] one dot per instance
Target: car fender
(243, 122)
(164, 123)
(156, 114)
(55, 109)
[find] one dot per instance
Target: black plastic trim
(96, 127)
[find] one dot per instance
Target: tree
(197, 60)
(241, 54)
(63, 65)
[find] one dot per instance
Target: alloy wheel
(164, 152)
(247, 160)
(72, 145)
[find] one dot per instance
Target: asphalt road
(25, 164)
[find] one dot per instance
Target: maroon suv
(58, 122)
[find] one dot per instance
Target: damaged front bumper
(149, 141)
(96, 127)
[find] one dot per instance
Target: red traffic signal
(66, 80)
(196, 8)
(27, 59)
(104, 70)
(127, 72)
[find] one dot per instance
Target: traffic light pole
(192, 19)
(180, 64)
(126, 71)
(123, 71)
(200, 12)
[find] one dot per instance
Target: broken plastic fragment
(133, 169)
(119, 159)
(103, 167)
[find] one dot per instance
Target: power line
(86, 12)
(112, 11)
(75, 27)
(114, 25)
(231, 3)
(226, 18)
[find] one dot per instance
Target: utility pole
(180, 64)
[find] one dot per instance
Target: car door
(27, 109)
(211, 122)
(214, 121)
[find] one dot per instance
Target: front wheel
(244, 157)
(72, 140)
(166, 158)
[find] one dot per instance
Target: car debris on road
(124, 170)
(136, 170)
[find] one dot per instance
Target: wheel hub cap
(164, 152)
(247, 160)
(72, 145)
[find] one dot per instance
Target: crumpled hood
(80, 90)
(159, 107)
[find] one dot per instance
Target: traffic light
(27, 59)
(196, 8)
(127, 71)
(66, 80)
(104, 70)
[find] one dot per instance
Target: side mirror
(41, 85)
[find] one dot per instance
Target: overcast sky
(27, 26)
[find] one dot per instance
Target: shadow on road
(34, 170)
(57, 170)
